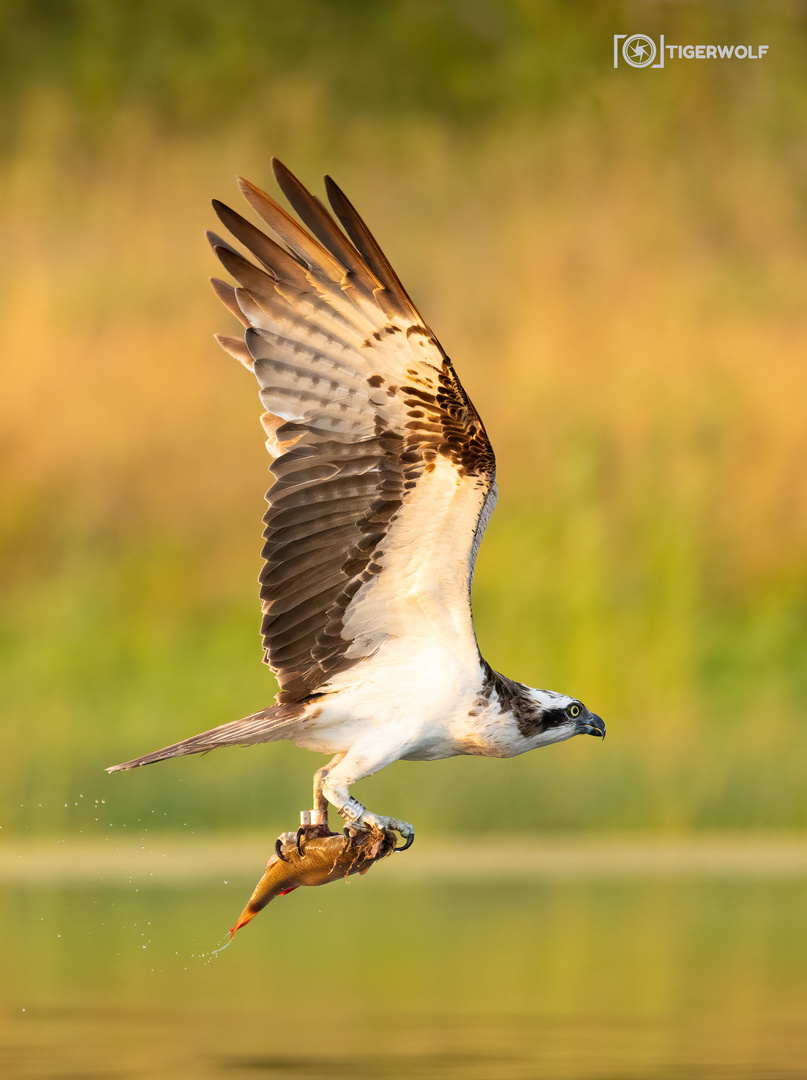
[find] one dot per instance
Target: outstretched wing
(384, 475)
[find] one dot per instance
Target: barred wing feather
(383, 472)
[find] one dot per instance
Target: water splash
(208, 957)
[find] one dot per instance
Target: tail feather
(268, 725)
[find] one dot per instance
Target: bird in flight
(384, 482)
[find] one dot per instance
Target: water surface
(406, 973)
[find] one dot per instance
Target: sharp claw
(279, 850)
(359, 818)
(300, 835)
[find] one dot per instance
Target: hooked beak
(593, 725)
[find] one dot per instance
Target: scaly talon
(355, 814)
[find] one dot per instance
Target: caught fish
(318, 860)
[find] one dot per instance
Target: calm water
(398, 975)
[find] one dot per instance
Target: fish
(316, 860)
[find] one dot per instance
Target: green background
(614, 259)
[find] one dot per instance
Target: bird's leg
(334, 783)
(313, 822)
(320, 810)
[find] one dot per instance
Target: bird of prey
(384, 481)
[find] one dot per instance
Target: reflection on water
(558, 979)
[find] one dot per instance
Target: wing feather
(383, 472)
(372, 253)
(226, 293)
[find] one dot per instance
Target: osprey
(384, 481)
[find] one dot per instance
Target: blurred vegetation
(614, 258)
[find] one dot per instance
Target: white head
(548, 717)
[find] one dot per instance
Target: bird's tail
(268, 725)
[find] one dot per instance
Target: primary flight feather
(384, 481)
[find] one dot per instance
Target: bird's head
(556, 717)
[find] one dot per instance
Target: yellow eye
(574, 711)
